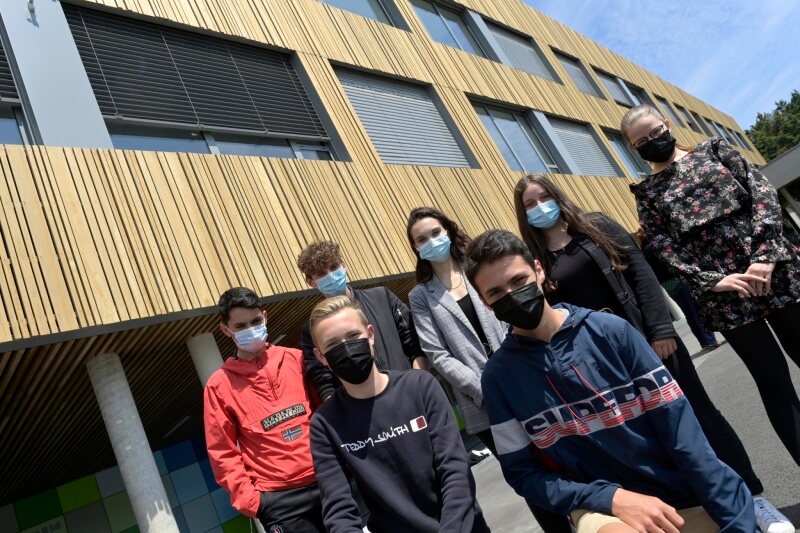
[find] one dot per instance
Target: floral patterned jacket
(711, 214)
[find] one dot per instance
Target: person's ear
(320, 357)
(344, 264)
(225, 331)
(371, 336)
(310, 282)
(265, 317)
(539, 273)
(667, 123)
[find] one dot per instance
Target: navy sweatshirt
(404, 450)
(593, 410)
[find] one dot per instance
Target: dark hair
(578, 222)
(491, 246)
(317, 257)
(237, 297)
(458, 239)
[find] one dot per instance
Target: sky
(740, 56)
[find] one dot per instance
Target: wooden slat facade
(111, 239)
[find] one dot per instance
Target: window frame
(616, 80)
(500, 55)
(703, 123)
(669, 112)
(393, 15)
(597, 92)
(641, 168)
(14, 107)
(462, 15)
(687, 118)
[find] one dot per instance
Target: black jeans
(682, 296)
(550, 522)
(761, 353)
(292, 511)
(721, 436)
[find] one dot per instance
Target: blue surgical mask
(252, 339)
(544, 215)
(436, 250)
(333, 283)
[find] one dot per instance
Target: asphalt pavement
(733, 391)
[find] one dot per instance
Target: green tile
(240, 524)
(54, 524)
(37, 509)
(79, 493)
(134, 529)
(119, 512)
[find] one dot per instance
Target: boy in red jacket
(257, 417)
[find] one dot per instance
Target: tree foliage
(779, 130)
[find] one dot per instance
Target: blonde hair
(640, 111)
(330, 306)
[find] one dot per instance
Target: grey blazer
(452, 345)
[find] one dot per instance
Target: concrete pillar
(139, 471)
(205, 355)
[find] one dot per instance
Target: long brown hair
(635, 113)
(578, 221)
(458, 239)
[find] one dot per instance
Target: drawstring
(573, 413)
(585, 382)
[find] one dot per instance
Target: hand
(741, 283)
(645, 514)
(762, 270)
(664, 347)
(421, 363)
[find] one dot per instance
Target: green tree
(777, 131)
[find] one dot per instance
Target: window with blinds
(720, 131)
(614, 88)
(447, 27)
(742, 140)
(373, 9)
(8, 89)
(688, 119)
(143, 71)
(402, 121)
(583, 148)
(668, 111)
(633, 162)
(578, 75)
(521, 52)
(702, 124)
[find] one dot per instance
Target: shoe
(715, 345)
(769, 519)
(476, 456)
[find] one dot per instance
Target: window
(614, 87)
(688, 119)
(669, 112)
(402, 121)
(702, 124)
(372, 9)
(742, 140)
(639, 95)
(13, 129)
(521, 52)
(447, 27)
(161, 88)
(578, 75)
(583, 148)
(517, 141)
(720, 131)
(635, 164)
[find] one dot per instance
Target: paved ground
(732, 389)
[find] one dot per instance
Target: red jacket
(262, 405)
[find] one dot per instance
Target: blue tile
(222, 501)
(200, 514)
(189, 483)
(208, 474)
(180, 520)
(110, 482)
(160, 464)
(199, 445)
(179, 455)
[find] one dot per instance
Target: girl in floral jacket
(716, 222)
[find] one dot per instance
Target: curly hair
(318, 257)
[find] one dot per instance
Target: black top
(580, 280)
(468, 309)
(404, 452)
(659, 268)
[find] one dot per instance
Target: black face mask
(658, 150)
(351, 361)
(521, 308)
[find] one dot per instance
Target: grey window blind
(145, 71)
(7, 87)
(583, 148)
(613, 87)
(402, 121)
(578, 75)
(521, 52)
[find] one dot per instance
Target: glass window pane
(9, 127)
(501, 143)
(253, 146)
(436, 27)
(520, 142)
(316, 155)
(632, 161)
(156, 139)
(462, 33)
(366, 8)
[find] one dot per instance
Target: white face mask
(252, 339)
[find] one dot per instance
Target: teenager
(586, 419)
(394, 432)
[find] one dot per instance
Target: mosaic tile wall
(100, 504)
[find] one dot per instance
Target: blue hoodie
(593, 410)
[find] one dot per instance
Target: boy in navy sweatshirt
(586, 419)
(394, 432)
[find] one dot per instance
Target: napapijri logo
(282, 416)
(292, 433)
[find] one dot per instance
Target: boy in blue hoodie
(587, 420)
